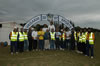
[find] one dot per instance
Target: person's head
(57, 30)
(47, 30)
(40, 29)
(89, 30)
(84, 29)
(51, 23)
(15, 29)
(52, 30)
(45, 25)
(64, 30)
(73, 30)
(30, 29)
(61, 30)
(21, 29)
(81, 30)
(25, 30)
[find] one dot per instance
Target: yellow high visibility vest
(84, 37)
(78, 35)
(25, 35)
(80, 38)
(91, 41)
(75, 36)
(52, 35)
(86, 33)
(63, 36)
(21, 36)
(14, 36)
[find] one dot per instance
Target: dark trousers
(30, 44)
(13, 46)
(41, 44)
(57, 43)
(90, 48)
(63, 44)
(34, 44)
(68, 45)
(79, 46)
(21, 46)
(84, 48)
(17, 46)
(72, 45)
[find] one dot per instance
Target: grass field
(49, 58)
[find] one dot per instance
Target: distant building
(5, 29)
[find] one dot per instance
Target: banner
(48, 17)
(32, 21)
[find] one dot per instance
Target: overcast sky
(82, 12)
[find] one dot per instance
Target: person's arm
(65, 35)
(10, 35)
(49, 36)
(93, 36)
(18, 37)
(32, 35)
(55, 36)
(54, 27)
(49, 27)
(38, 35)
(87, 36)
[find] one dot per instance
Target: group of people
(49, 38)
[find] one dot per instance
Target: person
(57, 41)
(62, 40)
(72, 40)
(26, 44)
(45, 28)
(46, 40)
(91, 39)
(13, 39)
(30, 38)
(17, 40)
(41, 39)
(34, 37)
(51, 26)
(75, 37)
(79, 45)
(52, 39)
(68, 38)
(84, 36)
(21, 40)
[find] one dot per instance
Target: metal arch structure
(48, 17)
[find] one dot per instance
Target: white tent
(6, 28)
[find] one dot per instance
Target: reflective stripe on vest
(83, 37)
(52, 35)
(21, 37)
(63, 36)
(86, 33)
(80, 38)
(25, 35)
(91, 41)
(75, 36)
(14, 36)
